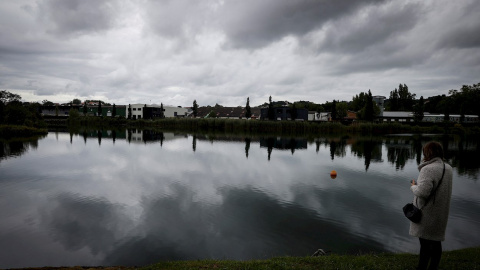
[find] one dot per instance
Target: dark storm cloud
(246, 24)
(254, 24)
(372, 27)
(175, 51)
(74, 17)
(464, 32)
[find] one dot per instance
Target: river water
(136, 197)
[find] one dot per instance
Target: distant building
(380, 100)
(144, 111)
(388, 116)
(285, 113)
(319, 116)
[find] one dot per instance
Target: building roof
(397, 114)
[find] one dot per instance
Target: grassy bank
(458, 259)
(468, 258)
(10, 131)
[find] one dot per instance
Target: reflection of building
(283, 143)
(151, 136)
(285, 113)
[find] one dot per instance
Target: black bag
(412, 212)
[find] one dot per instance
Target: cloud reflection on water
(137, 203)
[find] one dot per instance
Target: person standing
(433, 192)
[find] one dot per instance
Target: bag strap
(434, 191)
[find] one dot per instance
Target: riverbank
(468, 258)
(242, 126)
(11, 131)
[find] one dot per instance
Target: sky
(223, 51)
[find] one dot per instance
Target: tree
(114, 110)
(76, 101)
(446, 112)
(7, 97)
(212, 114)
(56, 110)
(271, 112)
(462, 114)
(369, 112)
(358, 102)
(248, 110)
(47, 103)
(129, 112)
(294, 112)
(467, 99)
(16, 114)
(99, 108)
(73, 114)
(342, 109)
(334, 110)
(418, 112)
(85, 109)
(401, 99)
(393, 100)
(406, 98)
(194, 108)
(162, 115)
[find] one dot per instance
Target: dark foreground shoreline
(468, 258)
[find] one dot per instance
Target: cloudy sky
(223, 51)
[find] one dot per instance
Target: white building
(380, 100)
(316, 116)
(171, 111)
(140, 111)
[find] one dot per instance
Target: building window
(139, 109)
(134, 109)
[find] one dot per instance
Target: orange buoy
(333, 174)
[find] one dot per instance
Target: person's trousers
(430, 251)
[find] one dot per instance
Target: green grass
(458, 259)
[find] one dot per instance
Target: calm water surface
(135, 198)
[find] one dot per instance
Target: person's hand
(413, 182)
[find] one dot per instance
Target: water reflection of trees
(461, 152)
(401, 149)
(368, 149)
(16, 148)
(281, 143)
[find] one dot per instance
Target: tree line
(462, 102)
